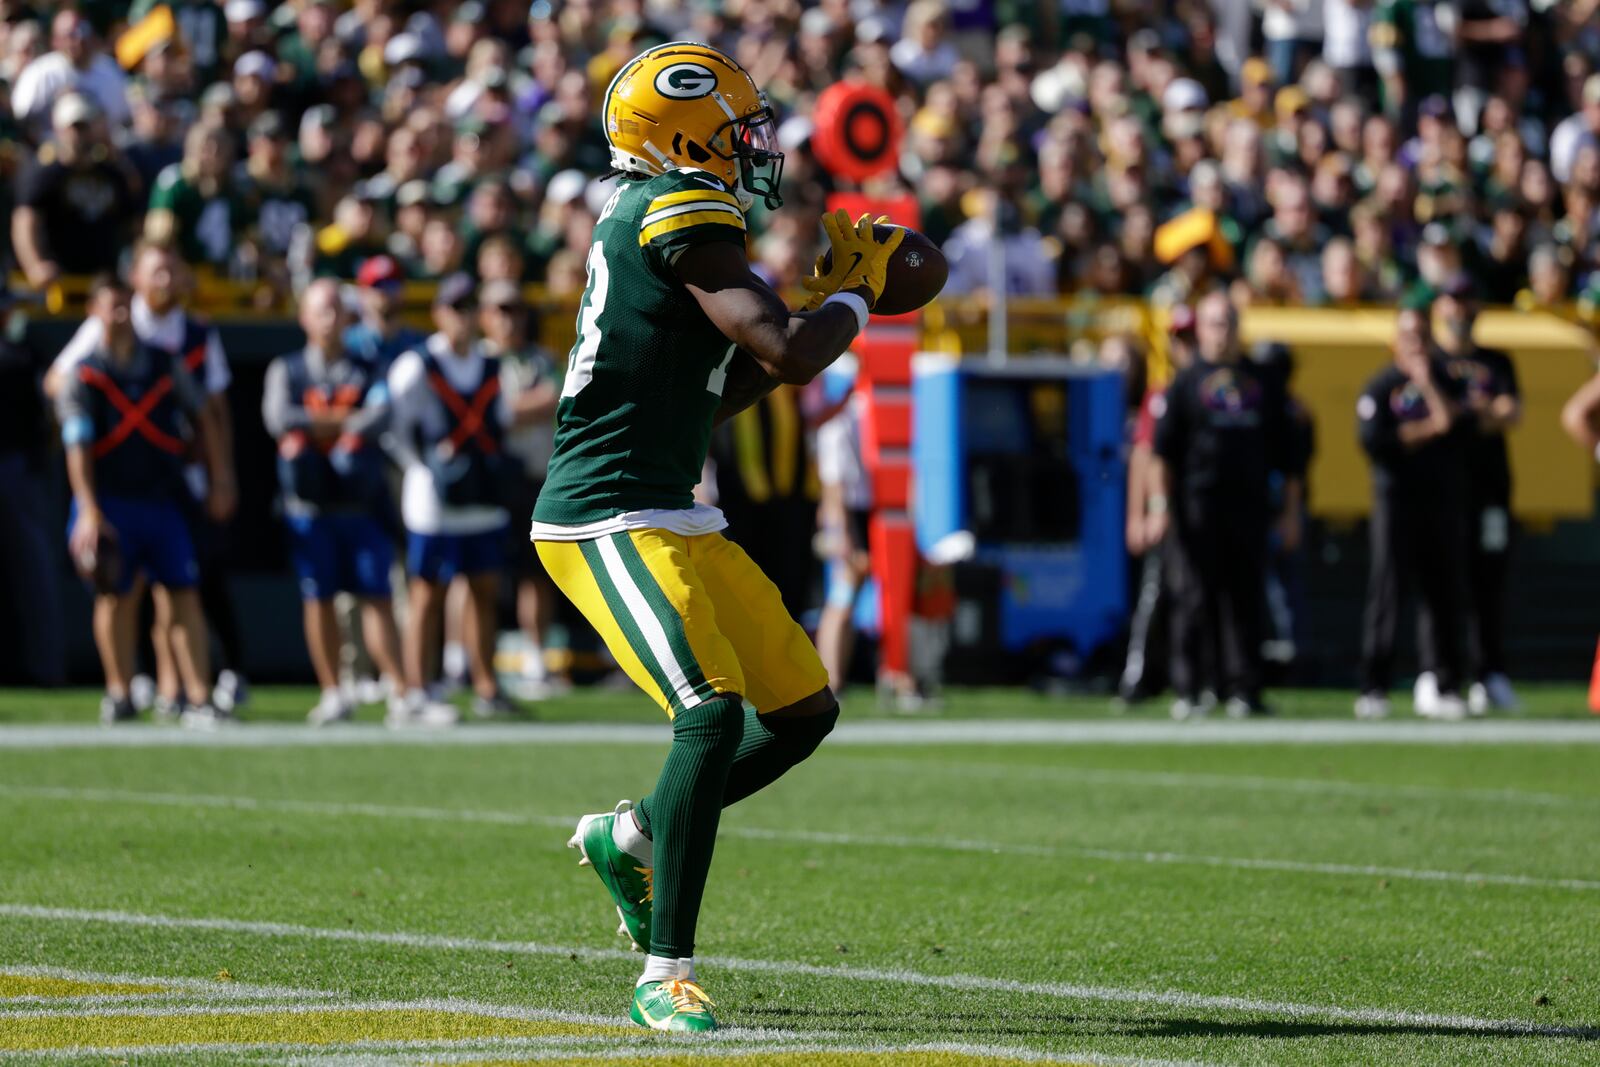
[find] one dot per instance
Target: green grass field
(1015, 879)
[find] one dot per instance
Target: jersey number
(580, 365)
(718, 379)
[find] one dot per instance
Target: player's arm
(792, 347)
(1579, 416)
(1504, 410)
(77, 437)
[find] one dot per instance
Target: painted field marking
(646, 1050)
(303, 1024)
(976, 732)
(24, 987)
(817, 837)
(896, 976)
(1226, 782)
(793, 1054)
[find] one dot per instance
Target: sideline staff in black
(1488, 382)
(1411, 423)
(1219, 439)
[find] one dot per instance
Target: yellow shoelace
(649, 875)
(687, 997)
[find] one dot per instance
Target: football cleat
(415, 710)
(1501, 696)
(630, 883)
(117, 709)
(1372, 705)
(678, 1005)
(204, 717)
(330, 709)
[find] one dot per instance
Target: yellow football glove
(859, 258)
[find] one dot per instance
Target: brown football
(917, 271)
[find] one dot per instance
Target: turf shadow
(1282, 1030)
(982, 1026)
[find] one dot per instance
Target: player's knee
(717, 724)
(802, 734)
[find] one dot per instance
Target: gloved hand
(859, 258)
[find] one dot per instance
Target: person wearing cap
(278, 203)
(532, 385)
(1254, 101)
(255, 77)
(127, 528)
(75, 199)
(380, 336)
(194, 205)
(1220, 439)
(203, 26)
(1492, 398)
(450, 417)
(155, 136)
(1144, 670)
(247, 28)
(412, 208)
(326, 409)
(1414, 49)
(76, 64)
(1438, 260)
(1411, 423)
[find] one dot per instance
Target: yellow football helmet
(691, 106)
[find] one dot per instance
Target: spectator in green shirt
(194, 206)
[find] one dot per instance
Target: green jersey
(645, 377)
(204, 227)
(1407, 40)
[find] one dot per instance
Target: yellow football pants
(687, 617)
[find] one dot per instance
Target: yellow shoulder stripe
(688, 196)
(693, 218)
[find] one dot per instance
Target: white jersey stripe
(684, 209)
(645, 620)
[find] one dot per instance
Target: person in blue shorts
(449, 428)
(131, 413)
(326, 408)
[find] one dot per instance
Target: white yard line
(1251, 783)
(872, 732)
(336, 1058)
(296, 1007)
(787, 968)
(555, 1050)
(332, 809)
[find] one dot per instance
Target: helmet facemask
(752, 140)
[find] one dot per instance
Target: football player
(675, 333)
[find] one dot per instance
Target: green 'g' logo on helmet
(686, 81)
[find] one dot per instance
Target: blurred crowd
(1205, 155)
(1301, 151)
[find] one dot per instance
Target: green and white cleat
(678, 1005)
(630, 884)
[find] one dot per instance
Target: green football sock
(770, 747)
(681, 817)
